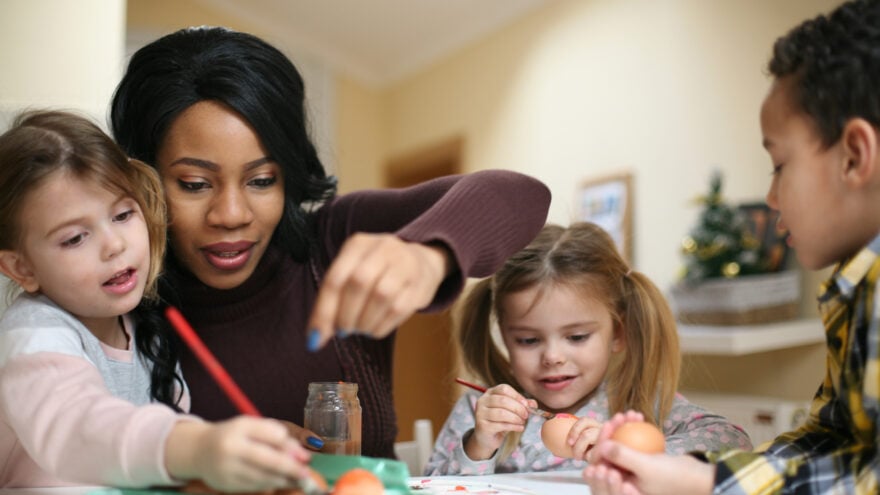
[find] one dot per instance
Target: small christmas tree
(721, 244)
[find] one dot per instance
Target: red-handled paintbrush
(227, 384)
(230, 388)
(480, 388)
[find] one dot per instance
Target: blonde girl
(90, 393)
(578, 332)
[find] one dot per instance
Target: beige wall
(163, 16)
(580, 89)
(150, 19)
(362, 135)
(60, 54)
(667, 90)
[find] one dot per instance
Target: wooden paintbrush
(480, 388)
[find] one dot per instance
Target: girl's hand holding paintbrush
(501, 409)
(248, 453)
(240, 454)
(533, 405)
(571, 436)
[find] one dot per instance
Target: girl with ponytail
(567, 326)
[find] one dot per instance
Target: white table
(548, 483)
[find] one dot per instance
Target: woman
(266, 262)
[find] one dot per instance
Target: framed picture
(762, 221)
(607, 202)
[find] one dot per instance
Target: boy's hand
(617, 469)
(499, 410)
(241, 454)
(608, 428)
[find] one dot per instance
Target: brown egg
(554, 433)
(358, 481)
(641, 436)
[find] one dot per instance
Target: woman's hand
(499, 410)
(375, 283)
(617, 469)
(306, 438)
(240, 454)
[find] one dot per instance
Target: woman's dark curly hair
(248, 75)
(835, 64)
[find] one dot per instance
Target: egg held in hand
(554, 433)
(640, 436)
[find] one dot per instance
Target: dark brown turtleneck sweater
(258, 329)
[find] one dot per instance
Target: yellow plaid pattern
(836, 451)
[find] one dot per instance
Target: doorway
(424, 358)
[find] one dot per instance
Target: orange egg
(358, 481)
(554, 433)
(641, 436)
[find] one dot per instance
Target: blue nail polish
(341, 334)
(315, 442)
(313, 340)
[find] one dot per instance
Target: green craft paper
(393, 474)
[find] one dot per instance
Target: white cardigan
(74, 411)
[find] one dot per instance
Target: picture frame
(608, 202)
(762, 221)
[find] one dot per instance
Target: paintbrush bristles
(544, 414)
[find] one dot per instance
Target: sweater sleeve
(72, 427)
(815, 458)
(689, 427)
(482, 218)
(449, 457)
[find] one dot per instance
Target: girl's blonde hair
(40, 143)
(584, 257)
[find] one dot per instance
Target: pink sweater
(60, 425)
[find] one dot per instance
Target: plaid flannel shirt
(836, 450)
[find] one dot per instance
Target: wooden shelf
(747, 339)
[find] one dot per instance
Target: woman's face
(225, 193)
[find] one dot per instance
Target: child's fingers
(287, 461)
(585, 443)
(275, 436)
(269, 431)
(507, 397)
(618, 419)
(583, 436)
(245, 473)
(603, 479)
(501, 416)
(580, 426)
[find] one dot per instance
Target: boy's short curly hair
(834, 62)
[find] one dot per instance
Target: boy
(821, 127)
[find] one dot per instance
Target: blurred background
(567, 91)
